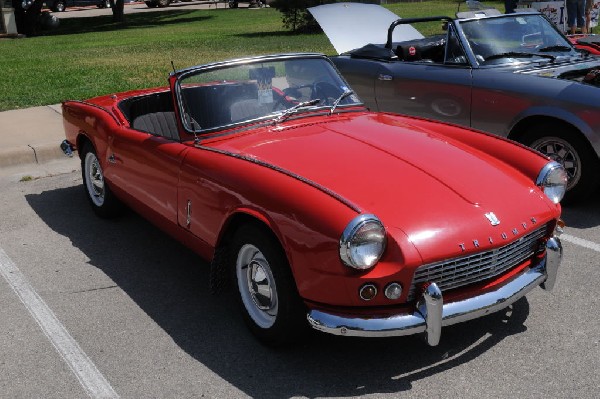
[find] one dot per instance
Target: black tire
(265, 288)
(564, 144)
(163, 3)
(59, 6)
(233, 4)
(97, 191)
(151, 4)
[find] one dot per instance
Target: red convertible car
(318, 211)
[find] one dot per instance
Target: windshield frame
(549, 32)
(246, 63)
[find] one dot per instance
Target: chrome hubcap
(257, 286)
(94, 179)
(562, 152)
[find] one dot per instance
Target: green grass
(86, 57)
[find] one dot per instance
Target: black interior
(209, 107)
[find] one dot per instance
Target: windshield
(211, 98)
(500, 40)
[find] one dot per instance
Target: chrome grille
(474, 268)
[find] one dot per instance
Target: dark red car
(320, 212)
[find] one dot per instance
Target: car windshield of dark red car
(231, 94)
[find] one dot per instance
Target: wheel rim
(257, 286)
(94, 179)
(562, 152)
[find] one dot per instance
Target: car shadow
(105, 23)
(171, 284)
(583, 214)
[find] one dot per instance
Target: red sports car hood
(412, 179)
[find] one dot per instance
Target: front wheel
(266, 290)
(151, 4)
(564, 145)
(103, 202)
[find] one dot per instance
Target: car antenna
(192, 122)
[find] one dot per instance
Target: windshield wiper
(513, 54)
(286, 114)
(339, 99)
(555, 48)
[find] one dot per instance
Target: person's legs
(572, 15)
(581, 15)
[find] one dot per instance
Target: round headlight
(362, 242)
(553, 180)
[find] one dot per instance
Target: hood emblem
(492, 218)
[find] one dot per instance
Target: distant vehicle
(230, 3)
(253, 3)
(587, 42)
(61, 5)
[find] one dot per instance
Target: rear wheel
(103, 202)
(564, 145)
(266, 290)
(151, 4)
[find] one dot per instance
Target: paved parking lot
(115, 308)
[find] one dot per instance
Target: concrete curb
(31, 136)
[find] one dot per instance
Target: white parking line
(581, 242)
(84, 369)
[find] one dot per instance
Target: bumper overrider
(432, 313)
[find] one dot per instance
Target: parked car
(513, 75)
(368, 224)
(588, 42)
(230, 3)
(61, 5)
(251, 3)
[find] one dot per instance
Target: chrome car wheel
(562, 152)
(267, 293)
(566, 145)
(257, 286)
(103, 202)
(94, 180)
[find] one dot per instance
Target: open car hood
(349, 26)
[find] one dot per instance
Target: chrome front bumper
(432, 314)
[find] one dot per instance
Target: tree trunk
(118, 9)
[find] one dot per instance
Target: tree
(296, 17)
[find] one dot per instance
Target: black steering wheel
(326, 92)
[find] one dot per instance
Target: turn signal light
(367, 292)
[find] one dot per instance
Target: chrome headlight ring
(553, 181)
(363, 242)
